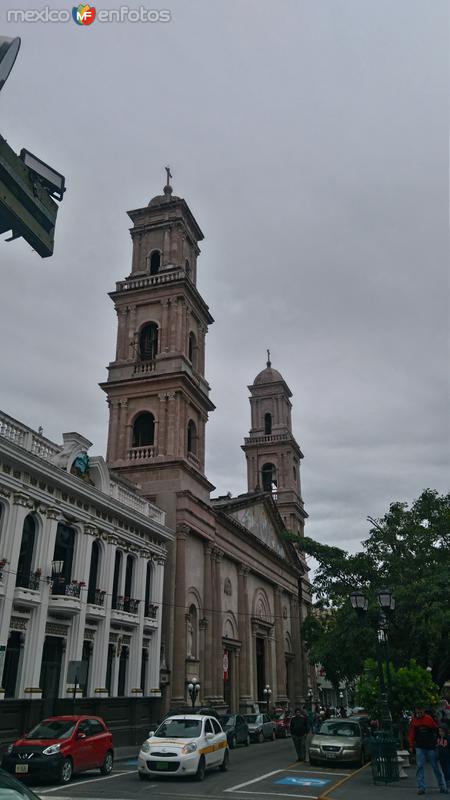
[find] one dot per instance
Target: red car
(282, 720)
(60, 746)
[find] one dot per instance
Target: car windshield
(339, 729)
(179, 729)
(227, 721)
(251, 718)
(52, 729)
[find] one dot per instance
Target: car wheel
(224, 765)
(107, 765)
(247, 741)
(200, 774)
(260, 737)
(143, 776)
(233, 742)
(65, 771)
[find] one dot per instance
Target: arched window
(116, 578)
(148, 588)
(155, 262)
(148, 342)
(64, 552)
(269, 478)
(192, 350)
(26, 552)
(192, 438)
(267, 424)
(93, 572)
(144, 430)
(128, 583)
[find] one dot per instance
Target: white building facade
(82, 559)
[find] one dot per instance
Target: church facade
(235, 588)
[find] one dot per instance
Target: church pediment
(258, 521)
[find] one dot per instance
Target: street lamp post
(267, 691)
(386, 602)
(310, 696)
(193, 689)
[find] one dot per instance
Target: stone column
(21, 507)
(75, 637)
(208, 621)
(244, 635)
(122, 431)
(157, 599)
(179, 644)
(99, 661)
(34, 641)
(133, 343)
(173, 316)
(113, 429)
(135, 661)
(161, 442)
(218, 647)
(296, 644)
(164, 346)
(171, 397)
(280, 687)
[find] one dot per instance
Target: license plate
(331, 755)
(162, 765)
(22, 768)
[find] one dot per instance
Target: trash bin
(385, 767)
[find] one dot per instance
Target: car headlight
(51, 750)
(145, 747)
(189, 748)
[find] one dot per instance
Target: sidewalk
(360, 786)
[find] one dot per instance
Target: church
(236, 586)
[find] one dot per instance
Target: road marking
(255, 780)
(84, 783)
(326, 794)
(320, 772)
(278, 794)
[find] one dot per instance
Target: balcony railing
(142, 453)
(25, 437)
(62, 587)
(144, 367)
(129, 604)
(151, 610)
(149, 280)
(273, 437)
(28, 580)
(96, 597)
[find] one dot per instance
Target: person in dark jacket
(443, 749)
(423, 734)
(299, 729)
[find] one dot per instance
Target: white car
(184, 745)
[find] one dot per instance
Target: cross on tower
(268, 359)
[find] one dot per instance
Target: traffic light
(27, 184)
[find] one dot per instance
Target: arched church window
(155, 262)
(192, 350)
(192, 438)
(269, 478)
(144, 430)
(267, 424)
(148, 342)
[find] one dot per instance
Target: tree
(409, 686)
(407, 550)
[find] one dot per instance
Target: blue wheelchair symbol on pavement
(293, 781)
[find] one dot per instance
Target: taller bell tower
(157, 392)
(272, 453)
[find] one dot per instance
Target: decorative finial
(269, 364)
(168, 189)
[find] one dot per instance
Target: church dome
(162, 198)
(268, 375)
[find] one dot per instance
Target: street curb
(326, 794)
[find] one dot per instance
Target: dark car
(236, 729)
(60, 746)
(282, 720)
(12, 789)
(260, 727)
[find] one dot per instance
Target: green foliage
(409, 686)
(407, 550)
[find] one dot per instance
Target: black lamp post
(267, 691)
(193, 689)
(386, 601)
(310, 696)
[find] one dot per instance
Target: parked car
(60, 746)
(12, 789)
(260, 727)
(182, 710)
(236, 730)
(282, 720)
(184, 745)
(340, 740)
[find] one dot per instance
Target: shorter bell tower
(272, 453)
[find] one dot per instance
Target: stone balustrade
(142, 453)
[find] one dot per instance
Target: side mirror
(209, 736)
(150, 734)
(81, 735)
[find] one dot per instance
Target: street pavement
(258, 772)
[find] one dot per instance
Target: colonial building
(236, 587)
(81, 573)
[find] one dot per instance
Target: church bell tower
(158, 396)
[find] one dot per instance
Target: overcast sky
(309, 139)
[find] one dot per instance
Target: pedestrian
(443, 748)
(314, 722)
(299, 729)
(423, 734)
(342, 712)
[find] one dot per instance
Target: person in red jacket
(423, 734)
